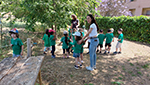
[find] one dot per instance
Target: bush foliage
(135, 28)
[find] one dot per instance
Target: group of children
(69, 43)
(109, 39)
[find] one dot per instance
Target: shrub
(135, 28)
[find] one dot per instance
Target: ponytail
(66, 39)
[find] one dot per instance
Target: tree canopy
(48, 12)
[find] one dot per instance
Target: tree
(113, 8)
(48, 12)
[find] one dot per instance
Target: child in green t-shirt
(46, 41)
(81, 54)
(109, 37)
(16, 43)
(77, 49)
(120, 41)
(65, 46)
(52, 42)
(101, 38)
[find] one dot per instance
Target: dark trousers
(53, 50)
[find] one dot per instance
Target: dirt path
(129, 68)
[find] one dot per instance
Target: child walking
(101, 38)
(46, 41)
(65, 46)
(52, 42)
(109, 37)
(77, 50)
(16, 43)
(120, 41)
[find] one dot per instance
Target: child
(52, 41)
(112, 30)
(46, 41)
(101, 38)
(81, 30)
(81, 54)
(65, 40)
(120, 41)
(109, 38)
(16, 43)
(77, 49)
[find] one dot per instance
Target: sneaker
(89, 68)
(44, 52)
(97, 51)
(76, 67)
(105, 52)
(53, 56)
(119, 52)
(80, 65)
(82, 62)
(94, 67)
(115, 52)
(87, 53)
(100, 52)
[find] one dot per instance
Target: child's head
(77, 36)
(14, 33)
(74, 29)
(81, 30)
(101, 31)
(47, 31)
(108, 31)
(51, 32)
(120, 30)
(112, 30)
(65, 33)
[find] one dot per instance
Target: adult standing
(74, 22)
(92, 35)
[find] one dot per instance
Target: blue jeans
(92, 49)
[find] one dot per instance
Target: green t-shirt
(46, 40)
(69, 32)
(16, 46)
(112, 35)
(83, 34)
(101, 38)
(121, 37)
(109, 37)
(64, 45)
(51, 40)
(78, 47)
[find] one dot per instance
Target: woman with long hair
(92, 35)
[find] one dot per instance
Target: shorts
(66, 50)
(76, 55)
(108, 44)
(101, 45)
(118, 45)
(14, 55)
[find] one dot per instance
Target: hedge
(135, 28)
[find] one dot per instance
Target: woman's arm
(90, 30)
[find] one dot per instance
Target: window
(148, 12)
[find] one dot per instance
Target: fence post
(28, 47)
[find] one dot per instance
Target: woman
(74, 23)
(92, 35)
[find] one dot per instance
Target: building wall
(139, 7)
